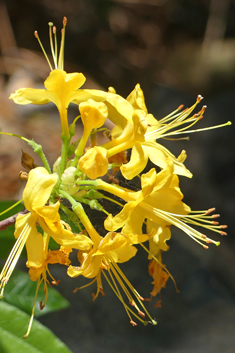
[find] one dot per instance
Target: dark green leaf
(14, 324)
(20, 292)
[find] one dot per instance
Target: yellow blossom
(61, 89)
(106, 253)
(134, 136)
(37, 192)
(159, 201)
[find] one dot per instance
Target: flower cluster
(76, 183)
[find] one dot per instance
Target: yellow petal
(113, 223)
(124, 253)
(148, 181)
(134, 223)
(34, 241)
(110, 242)
(25, 96)
(34, 248)
(38, 188)
(63, 236)
(89, 268)
(158, 241)
(120, 110)
(138, 161)
(158, 155)
(136, 98)
(64, 86)
(140, 238)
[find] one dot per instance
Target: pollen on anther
(141, 313)
(180, 107)
(64, 21)
(204, 108)
(210, 210)
(199, 98)
(133, 323)
(223, 233)
(35, 34)
(215, 215)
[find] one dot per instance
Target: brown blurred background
(175, 50)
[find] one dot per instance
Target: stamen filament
(43, 50)
(51, 44)
(13, 257)
(61, 54)
(33, 310)
(11, 207)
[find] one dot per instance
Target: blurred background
(175, 50)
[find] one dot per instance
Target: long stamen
(56, 47)
(137, 295)
(177, 220)
(177, 120)
(10, 208)
(117, 292)
(13, 257)
(173, 121)
(33, 310)
(51, 44)
(61, 54)
(43, 50)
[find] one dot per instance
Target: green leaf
(14, 324)
(20, 292)
(7, 238)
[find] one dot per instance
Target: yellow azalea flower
(114, 247)
(37, 192)
(61, 89)
(134, 136)
(106, 253)
(94, 163)
(159, 201)
(158, 189)
(145, 147)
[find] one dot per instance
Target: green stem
(38, 149)
(79, 211)
(64, 151)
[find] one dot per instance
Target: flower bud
(93, 114)
(68, 180)
(94, 163)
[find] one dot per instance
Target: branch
(11, 220)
